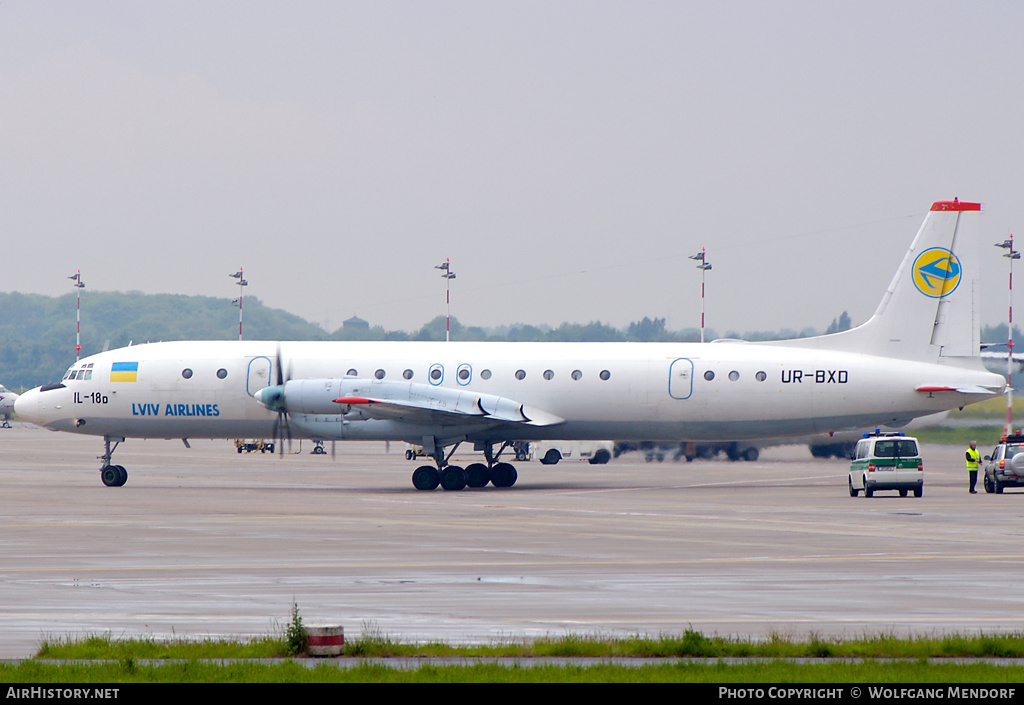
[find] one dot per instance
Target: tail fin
(932, 307)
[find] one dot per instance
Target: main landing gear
(454, 478)
(112, 475)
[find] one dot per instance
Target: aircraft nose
(26, 406)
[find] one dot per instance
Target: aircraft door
(680, 378)
(258, 375)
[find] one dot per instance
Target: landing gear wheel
(114, 475)
(601, 457)
(477, 475)
(426, 477)
(453, 478)
(504, 475)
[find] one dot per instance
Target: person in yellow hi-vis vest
(973, 461)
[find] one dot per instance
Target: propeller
(273, 399)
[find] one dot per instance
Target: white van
(886, 461)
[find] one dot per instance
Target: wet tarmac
(206, 542)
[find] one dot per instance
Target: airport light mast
(447, 274)
(79, 285)
(1011, 254)
(704, 266)
(241, 282)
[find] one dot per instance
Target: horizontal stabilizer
(964, 389)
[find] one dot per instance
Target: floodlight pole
(241, 282)
(448, 275)
(1011, 255)
(79, 285)
(704, 266)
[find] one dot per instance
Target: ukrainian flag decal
(936, 272)
(124, 372)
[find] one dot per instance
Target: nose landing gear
(112, 475)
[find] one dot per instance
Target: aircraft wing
(438, 411)
(400, 401)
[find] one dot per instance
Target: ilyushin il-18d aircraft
(918, 354)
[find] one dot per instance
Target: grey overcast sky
(566, 156)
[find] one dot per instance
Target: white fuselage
(618, 391)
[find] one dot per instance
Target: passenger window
(379, 374)
(576, 374)
(407, 374)
(549, 374)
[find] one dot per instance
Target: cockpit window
(82, 373)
